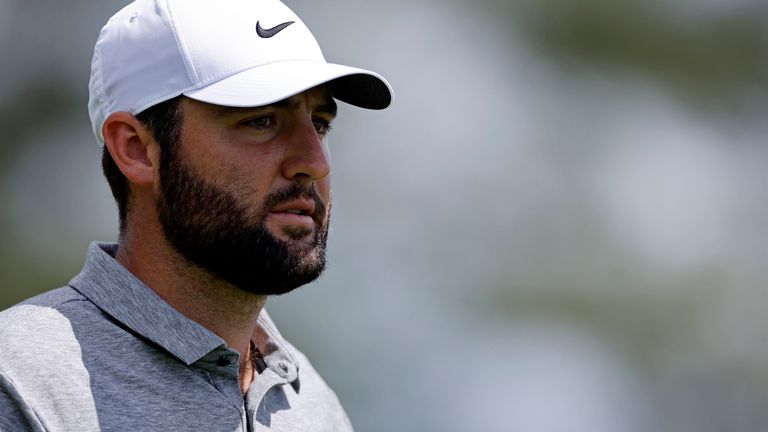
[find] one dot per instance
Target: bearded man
(213, 117)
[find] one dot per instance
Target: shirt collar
(118, 293)
(274, 349)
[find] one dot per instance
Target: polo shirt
(107, 353)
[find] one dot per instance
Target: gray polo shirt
(107, 353)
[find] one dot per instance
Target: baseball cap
(239, 53)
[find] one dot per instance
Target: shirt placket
(221, 367)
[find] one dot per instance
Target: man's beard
(212, 229)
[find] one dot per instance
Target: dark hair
(164, 122)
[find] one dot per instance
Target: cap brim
(273, 82)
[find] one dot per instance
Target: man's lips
(297, 206)
(298, 210)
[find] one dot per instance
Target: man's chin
(290, 233)
(299, 235)
(305, 270)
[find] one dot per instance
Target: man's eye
(263, 122)
(322, 126)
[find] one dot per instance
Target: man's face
(246, 193)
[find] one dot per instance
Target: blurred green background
(559, 225)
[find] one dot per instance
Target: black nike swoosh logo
(268, 33)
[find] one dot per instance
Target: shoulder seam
(72, 301)
(80, 298)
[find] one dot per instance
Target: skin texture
(250, 154)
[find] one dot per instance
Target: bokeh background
(559, 226)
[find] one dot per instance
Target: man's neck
(218, 306)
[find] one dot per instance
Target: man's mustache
(297, 191)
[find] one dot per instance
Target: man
(214, 116)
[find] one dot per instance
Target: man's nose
(306, 155)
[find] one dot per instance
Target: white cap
(239, 53)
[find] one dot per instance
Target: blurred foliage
(28, 109)
(713, 60)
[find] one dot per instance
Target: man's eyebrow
(328, 107)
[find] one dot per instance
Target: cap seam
(181, 45)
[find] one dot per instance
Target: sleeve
(15, 413)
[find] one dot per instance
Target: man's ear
(132, 147)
